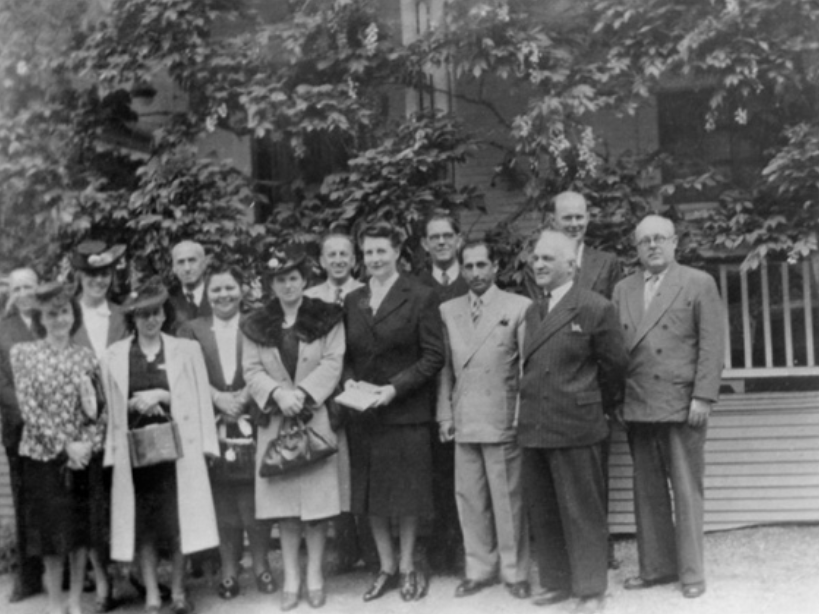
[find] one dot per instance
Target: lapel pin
(576, 328)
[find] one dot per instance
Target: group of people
(488, 421)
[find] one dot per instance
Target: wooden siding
(762, 463)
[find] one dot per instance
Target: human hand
(79, 454)
(386, 394)
(148, 401)
(618, 416)
(698, 412)
(446, 431)
(229, 404)
(290, 402)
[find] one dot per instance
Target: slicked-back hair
(491, 251)
(225, 269)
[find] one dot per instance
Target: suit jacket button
(665, 326)
(656, 376)
(659, 350)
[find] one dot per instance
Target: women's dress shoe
(592, 604)
(550, 597)
(289, 601)
(692, 591)
(316, 598)
(519, 590)
(636, 583)
(228, 588)
(383, 583)
(152, 609)
(265, 583)
(413, 585)
(469, 587)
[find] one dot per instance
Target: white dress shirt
(452, 273)
(328, 292)
(558, 293)
(378, 290)
(96, 321)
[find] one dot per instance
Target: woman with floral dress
(62, 440)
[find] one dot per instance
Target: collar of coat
(314, 320)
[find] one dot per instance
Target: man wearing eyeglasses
(441, 241)
(672, 322)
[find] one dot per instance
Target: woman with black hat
(293, 354)
(102, 324)
(152, 378)
(63, 430)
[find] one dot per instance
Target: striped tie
(475, 311)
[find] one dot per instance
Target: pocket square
(576, 328)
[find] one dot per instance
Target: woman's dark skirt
(65, 509)
(391, 469)
(157, 510)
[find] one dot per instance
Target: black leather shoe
(692, 591)
(408, 585)
(383, 583)
(469, 587)
(636, 583)
(19, 594)
(549, 597)
(519, 590)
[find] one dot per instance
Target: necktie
(191, 300)
(475, 311)
(543, 306)
(444, 278)
(650, 290)
(339, 297)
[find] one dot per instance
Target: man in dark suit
(188, 299)
(595, 269)
(442, 239)
(574, 364)
(16, 328)
(672, 318)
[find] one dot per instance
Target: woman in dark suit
(394, 341)
(233, 491)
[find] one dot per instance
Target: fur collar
(314, 320)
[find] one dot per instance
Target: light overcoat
(192, 410)
(478, 386)
(313, 493)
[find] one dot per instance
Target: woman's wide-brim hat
(283, 261)
(150, 295)
(96, 255)
(53, 293)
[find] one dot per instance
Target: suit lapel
(563, 312)
(119, 365)
(491, 314)
(589, 269)
(173, 360)
(116, 325)
(396, 296)
(209, 348)
(666, 293)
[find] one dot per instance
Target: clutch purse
(297, 445)
(154, 444)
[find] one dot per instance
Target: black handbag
(237, 459)
(297, 445)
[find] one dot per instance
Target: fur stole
(314, 320)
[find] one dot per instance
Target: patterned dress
(65, 507)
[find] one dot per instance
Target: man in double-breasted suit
(16, 328)
(477, 398)
(671, 316)
(574, 362)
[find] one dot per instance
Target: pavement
(766, 570)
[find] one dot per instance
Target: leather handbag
(237, 460)
(154, 444)
(297, 445)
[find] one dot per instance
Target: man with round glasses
(671, 317)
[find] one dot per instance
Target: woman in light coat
(293, 353)
(169, 503)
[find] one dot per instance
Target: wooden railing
(769, 320)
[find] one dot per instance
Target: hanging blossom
(559, 144)
(585, 151)
(371, 38)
